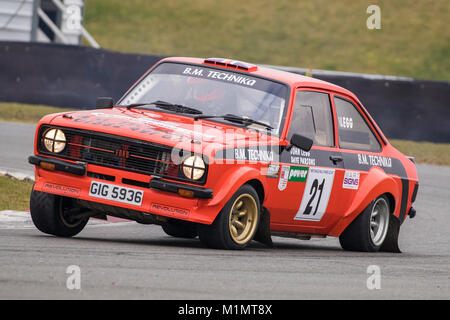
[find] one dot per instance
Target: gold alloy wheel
(243, 218)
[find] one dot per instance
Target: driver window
(312, 117)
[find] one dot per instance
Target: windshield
(213, 92)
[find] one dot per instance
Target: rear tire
(368, 231)
(49, 213)
(236, 224)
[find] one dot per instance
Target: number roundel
(316, 195)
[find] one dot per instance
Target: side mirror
(104, 103)
(301, 142)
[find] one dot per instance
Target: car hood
(163, 128)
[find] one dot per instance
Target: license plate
(116, 193)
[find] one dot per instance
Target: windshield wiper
(179, 108)
(246, 121)
(134, 105)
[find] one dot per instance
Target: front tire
(50, 214)
(236, 224)
(368, 231)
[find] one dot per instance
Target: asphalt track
(132, 261)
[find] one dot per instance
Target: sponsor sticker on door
(298, 174)
(284, 177)
(351, 180)
(273, 170)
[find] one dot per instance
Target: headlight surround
(194, 167)
(54, 140)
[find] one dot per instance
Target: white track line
(24, 176)
(11, 219)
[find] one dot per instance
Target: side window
(354, 133)
(312, 117)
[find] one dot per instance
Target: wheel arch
(232, 180)
(259, 188)
(376, 183)
(392, 202)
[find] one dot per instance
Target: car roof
(293, 79)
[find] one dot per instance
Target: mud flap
(262, 235)
(390, 244)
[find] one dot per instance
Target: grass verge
(414, 39)
(424, 152)
(14, 194)
(18, 112)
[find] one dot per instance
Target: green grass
(14, 194)
(424, 152)
(18, 112)
(414, 39)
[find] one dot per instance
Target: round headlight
(194, 167)
(54, 140)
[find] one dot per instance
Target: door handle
(336, 159)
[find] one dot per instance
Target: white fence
(59, 21)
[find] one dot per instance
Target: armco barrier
(70, 76)
(64, 75)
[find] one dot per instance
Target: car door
(357, 141)
(307, 178)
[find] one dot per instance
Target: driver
(211, 95)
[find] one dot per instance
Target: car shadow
(168, 241)
(295, 248)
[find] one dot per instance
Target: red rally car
(229, 152)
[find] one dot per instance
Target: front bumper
(59, 165)
(170, 186)
(160, 196)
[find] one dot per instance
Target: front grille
(116, 152)
(100, 176)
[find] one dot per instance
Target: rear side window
(354, 133)
(312, 117)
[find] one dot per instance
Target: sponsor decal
(345, 122)
(61, 190)
(298, 174)
(351, 180)
(284, 177)
(378, 161)
(273, 170)
(224, 76)
(253, 154)
(168, 210)
(142, 125)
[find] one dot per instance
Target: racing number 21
(316, 195)
(313, 191)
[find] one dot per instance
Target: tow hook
(412, 213)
